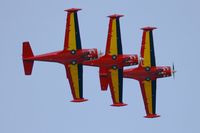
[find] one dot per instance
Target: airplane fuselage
(119, 61)
(66, 57)
(147, 73)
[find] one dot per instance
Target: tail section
(104, 79)
(27, 54)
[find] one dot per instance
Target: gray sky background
(40, 103)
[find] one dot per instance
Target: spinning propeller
(173, 71)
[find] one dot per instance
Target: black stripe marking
(80, 79)
(154, 96)
(77, 32)
(120, 78)
(152, 52)
(119, 42)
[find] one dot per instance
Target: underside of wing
(148, 89)
(72, 34)
(147, 50)
(116, 86)
(114, 44)
(75, 77)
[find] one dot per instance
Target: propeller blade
(173, 71)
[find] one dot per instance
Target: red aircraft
(72, 56)
(147, 72)
(112, 63)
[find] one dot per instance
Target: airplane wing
(148, 89)
(116, 86)
(114, 48)
(147, 50)
(114, 45)
(75, 77)
(72, 34)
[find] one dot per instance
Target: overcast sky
(40, 103)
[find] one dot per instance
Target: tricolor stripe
(148, 89)
(74, 74)
(116, 85)
(72, 34)
(147, 49)
(114, 45)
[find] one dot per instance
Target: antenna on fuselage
(140, 60)
(100, 53)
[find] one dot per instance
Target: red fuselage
(66, 57)
(152, 73)
(107, 62)
(119, 61)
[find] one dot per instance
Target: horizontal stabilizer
(27, 51)
(104, 80)
(28, 66)
(27, 54)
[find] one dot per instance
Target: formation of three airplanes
(111, 65)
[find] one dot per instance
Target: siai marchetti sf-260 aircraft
(147, 72)
(111, 64)
(72, 56)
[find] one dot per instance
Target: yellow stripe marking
(72, 33)
(148, 93)
(115, 83)
(75, 81)
(113, 43)
(147, 59)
